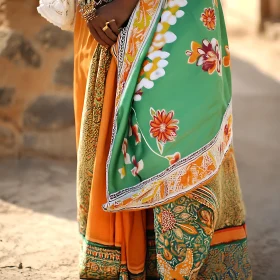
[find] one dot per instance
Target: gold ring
(105, 27)
(107, 23)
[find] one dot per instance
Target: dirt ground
(38, 230)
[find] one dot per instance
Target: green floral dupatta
(173, 120)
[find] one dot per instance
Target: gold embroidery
(90, 126)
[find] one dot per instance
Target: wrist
(126, 6)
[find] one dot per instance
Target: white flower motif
(162, 63)
(146, 83)
(159, 53)
(180, 3)
(168, 17)
(159, 27)
(180, 14)
(154, 66)
(170, 37)
(161, 39)
(137, 97)
(157, 74)
(148, 67)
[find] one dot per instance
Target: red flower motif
(210, 58)
(163, 127)
(208, 55)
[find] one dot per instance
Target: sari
(157, 184)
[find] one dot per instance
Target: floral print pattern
(188, 176)
(142, 23)
(163, 127)
(156, 61)
(227, 261)
(208, 18)
(159, 139)
(208, 55)
(184, 229)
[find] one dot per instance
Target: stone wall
(36, 76)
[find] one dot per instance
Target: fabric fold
(60, 13)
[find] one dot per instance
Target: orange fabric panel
(229, 235)
(126, 230)
(84, 47)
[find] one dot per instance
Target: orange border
(228, 235)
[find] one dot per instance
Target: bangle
(88, 10)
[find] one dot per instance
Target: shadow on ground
(46, 186)
(49, 186)
(256, 139)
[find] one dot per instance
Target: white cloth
(59, 12)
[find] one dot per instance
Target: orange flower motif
(163, 126)
(226, 59)
(209, 18)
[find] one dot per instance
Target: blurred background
(38, 231)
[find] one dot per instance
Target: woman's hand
(117, 13)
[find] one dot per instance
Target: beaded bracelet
(88, 10)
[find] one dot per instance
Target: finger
(111, 34)
(95, 35)
(104, 37)
(114, 27)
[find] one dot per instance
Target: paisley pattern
(227, 261)
(202, 235)
(184, 229)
